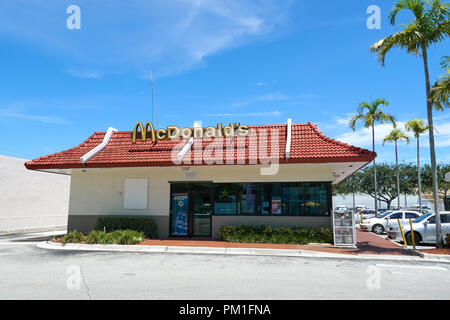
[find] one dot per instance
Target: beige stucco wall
(97, 192)
(100, 191)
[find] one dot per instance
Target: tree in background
(394, 136)
(370, 114)
(440, 92)
(430, 26)
(443, 186)
(348, 186)
(362, 182)
(417, 127)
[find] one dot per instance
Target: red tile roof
(308, 145)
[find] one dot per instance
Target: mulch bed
(437, 251)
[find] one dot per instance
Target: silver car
(424, 229)
(381, 224)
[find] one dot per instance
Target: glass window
(316, 200)
(397, 215)
(411, 215)
(249, 198)
(225, 198)
(445, 218)
(276, 206)
(266, 198)
(292, 197)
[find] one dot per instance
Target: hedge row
(146, 225)
(279, 235)
(101, 237)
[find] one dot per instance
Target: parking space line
(408, 266)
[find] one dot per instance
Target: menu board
(344, 231)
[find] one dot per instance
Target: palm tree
(418, 127)
(439, 95)
(430, 26)
(394, 136)
(371, 113)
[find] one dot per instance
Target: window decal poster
(276, 205)
(180, 203)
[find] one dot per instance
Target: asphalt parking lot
(27, 272)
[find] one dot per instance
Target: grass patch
(276, 235)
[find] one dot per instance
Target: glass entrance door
(179, 214)
(201, 209)
(191, 209)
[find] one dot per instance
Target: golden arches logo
(143, 132)
(174, 132)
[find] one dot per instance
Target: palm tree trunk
(419, 180)
(374, 171)
(439, 241)
(398, 176)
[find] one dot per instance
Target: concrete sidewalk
(221, 251)
(367, 243)
(369, 247)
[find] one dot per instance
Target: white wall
(100, 191)
(31, 199)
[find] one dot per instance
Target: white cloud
(275, 113)
(83, 73)
(363, 137)
(270, 97)
(15, 112)
(164, 36)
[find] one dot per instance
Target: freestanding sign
(344, 231)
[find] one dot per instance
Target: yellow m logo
(143, 132)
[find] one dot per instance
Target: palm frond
(408, 39)
(416, 6)
(439, 95)
(416, 126)
(396, 135)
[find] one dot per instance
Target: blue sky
(253, 62)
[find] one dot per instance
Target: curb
(230, 251)
(432, 257)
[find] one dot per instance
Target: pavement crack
(83, 278)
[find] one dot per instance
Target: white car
(424, 229)
(388, 219)
(341, 209)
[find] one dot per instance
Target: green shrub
(146, 225)
(278, 235)
(124, 237)
(100, 237)
(74, 237)
(96, 237)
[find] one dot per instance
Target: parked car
(368, 213)
(424, 229)
(425, 209)
(341, 209)
(379, 224)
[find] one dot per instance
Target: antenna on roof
(153, 100)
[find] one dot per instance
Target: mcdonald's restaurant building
(191, 181)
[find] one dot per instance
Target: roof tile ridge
(337, 142)
(64, 151)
